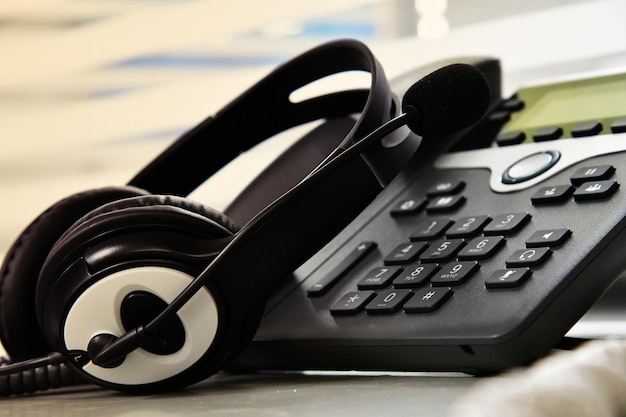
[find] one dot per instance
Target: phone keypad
(443, 254)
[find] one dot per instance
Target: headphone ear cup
(19, 330)
(148, 247)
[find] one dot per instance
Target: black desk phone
(476, 258)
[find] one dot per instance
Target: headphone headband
(267, 110)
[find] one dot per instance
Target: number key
(404, 253)
(481, 247)
(506, 224)
(455, 273)
(388, 301)
(378, 278)
(467, 226)
(415, 275)
(442, 250)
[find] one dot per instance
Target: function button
(415, 276)
(586, 129)
(445, 187)
(409, 207)
(510, 138)
(481, 248)
(528, 257)
(552, 194)
(378, 278)
(619, 125)
(405, 253)
(530, 166)
(427, 300)
(445, 203)
(351, 303)
(549, 237)
(430, 229)
(595, 173)
(467, 226)
(595, 190)
(388, 301)
(500, 117)
(508, 278)
(506, 224)
(455, 273)
(341, 269)
(513, 104)
(442, 250)
(547, 133)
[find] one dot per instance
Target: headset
(139, 288)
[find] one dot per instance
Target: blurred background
(91, 90)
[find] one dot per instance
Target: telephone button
(528, 257)
(445, 187)
(409, 207)
(548, 133)
(388, 301)
(593, 173)
(586, 129)
(415, 275)
(530, 166)
(351, 303)
(445, 203)
(552, 194)
(405, 253)
(378, 278)
(550, 237)
(500, 117)
(481, 248)
(427, 300)
(455, 273)
(513, 104)
(619, 125)
(595, 190)
(507, 278)
(467, 226)
(442, 250)
(506, 224)
(341, 269)
(510, 138)
(430, 229)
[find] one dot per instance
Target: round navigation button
(530, 166)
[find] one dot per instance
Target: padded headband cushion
(158, 202)
(20, 271)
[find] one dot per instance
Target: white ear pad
(98, 311)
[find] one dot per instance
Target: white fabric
(587, 382)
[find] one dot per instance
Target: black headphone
(140, 289)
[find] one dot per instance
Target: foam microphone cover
(448, 100)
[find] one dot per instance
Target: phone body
(480, 255)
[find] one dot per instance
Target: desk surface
(262, 395)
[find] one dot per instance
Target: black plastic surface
(476, 329)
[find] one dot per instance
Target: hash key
(427, 300)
